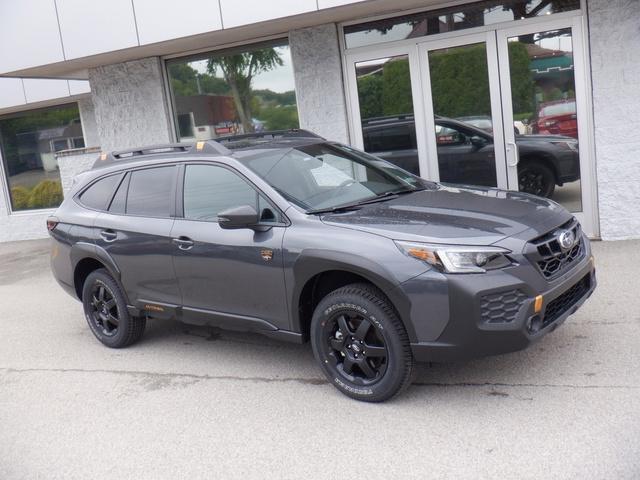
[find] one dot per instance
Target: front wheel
(361, 344)
(105, 309)
(537, 179)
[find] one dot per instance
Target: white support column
(318, 75)
(130, 104)
(614, 38)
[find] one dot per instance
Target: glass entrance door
(462, 110)
(543, 92)
(503, 107)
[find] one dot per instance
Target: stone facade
(73, 162)
(131, 108)
(614, 34)
(322, 108)
(21, 225)
(88, 119)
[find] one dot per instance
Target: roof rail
(209, 147)
(269, 135)
(388, 119)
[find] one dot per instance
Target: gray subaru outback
(298, 238)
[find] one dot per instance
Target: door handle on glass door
(516, 154)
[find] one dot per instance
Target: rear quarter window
(99, 194)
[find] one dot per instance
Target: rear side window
(389, 139)
(99, 194)
(150, 192)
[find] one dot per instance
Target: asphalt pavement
(197, 403)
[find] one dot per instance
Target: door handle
(108, 235)
(516, 154)
(184, 243)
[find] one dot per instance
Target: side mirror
(478, 141)
(244, 216)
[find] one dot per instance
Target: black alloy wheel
(536, 179)
(357, 349)
(361, 344)
(105, 308)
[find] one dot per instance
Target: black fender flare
(315, 261)
(83, 250)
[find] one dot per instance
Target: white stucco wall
(614, 30)
(73, 162)
(130, 105)
(315, 54)
(21, 226)
(88, 120)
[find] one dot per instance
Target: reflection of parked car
(557, 118)
(483, 122)
(466, 153)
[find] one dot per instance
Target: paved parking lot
(196, 403)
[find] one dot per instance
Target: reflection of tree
(238, 71)
(187, 81)
(459, 84)
(386, 91)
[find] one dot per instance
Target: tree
(239, 71)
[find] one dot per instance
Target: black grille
(501, 307)
(550, 258)
(568, 299)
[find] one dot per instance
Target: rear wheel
(360, 343)
(537, 179)
(105, 309)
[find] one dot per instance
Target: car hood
(454, 215)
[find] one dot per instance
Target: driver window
(209, 189)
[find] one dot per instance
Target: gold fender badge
(266, 254)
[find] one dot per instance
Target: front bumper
(492, 313)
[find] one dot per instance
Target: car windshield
(324, 176)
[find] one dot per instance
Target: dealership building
(80, 77)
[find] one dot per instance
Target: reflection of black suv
(466, 153)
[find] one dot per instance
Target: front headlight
(457, 259)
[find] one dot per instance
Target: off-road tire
(356, 303)
(129, 329)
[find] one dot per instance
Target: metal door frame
(588, 215)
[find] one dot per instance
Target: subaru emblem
(566, 239)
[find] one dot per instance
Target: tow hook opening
(534, 324)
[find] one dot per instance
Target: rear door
(135, 232)
(232, 278)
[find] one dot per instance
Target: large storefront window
(29, 141)
(488, 12)
(233, 92)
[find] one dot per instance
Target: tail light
(52, 223)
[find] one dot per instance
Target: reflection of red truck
(557, 118)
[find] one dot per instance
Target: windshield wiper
(354, 206)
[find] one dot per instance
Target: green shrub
(46, 194)
(20, 196)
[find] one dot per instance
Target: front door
(230, 278)
(462, 110)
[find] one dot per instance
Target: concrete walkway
(194, 403)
